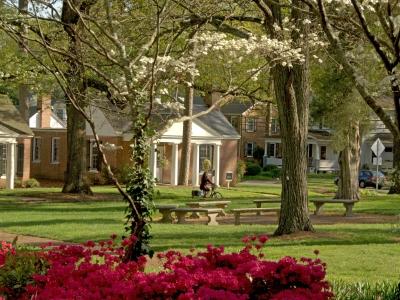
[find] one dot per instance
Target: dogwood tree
(89, 42)
(378, 22)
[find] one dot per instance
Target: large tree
(377, 21)
(337, 105)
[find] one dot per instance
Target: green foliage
(258, 154)
(140, 187)
(31, 183)
(366, 291)
(252, 168)
(122, 174)
(269, 168)
(240, 169)
(17, 272)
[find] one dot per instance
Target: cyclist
(206, 184)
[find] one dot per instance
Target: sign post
(378, 148)
(228, 178)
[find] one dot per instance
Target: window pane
(270, 150)
(323, 153)
(3, 159)
(249, 149)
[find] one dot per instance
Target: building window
(388, 149)
(94, 159)
(36, 149)
(323, 153)
(55, 150)
(20, 159)
(234, 120)
(250, 124)
(275, 126)
(249, 149)
(206, 152)
(270, 150)
(3, 159)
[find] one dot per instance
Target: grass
(354, 252)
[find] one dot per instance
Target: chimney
(211, 98)
(44, 109)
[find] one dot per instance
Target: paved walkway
(26, 239)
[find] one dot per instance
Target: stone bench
(238, 211)
(259, 202)
(347, 203)
(165, 210)
(211, 214)
(208, 204)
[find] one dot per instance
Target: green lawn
(354, 252)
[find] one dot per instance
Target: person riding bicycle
(206, 184)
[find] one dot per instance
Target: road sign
(378, 147)
(374, 161)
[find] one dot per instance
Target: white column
(11, 164)
(153, 160)
(195, 165)
(216, 163)
(174, 165)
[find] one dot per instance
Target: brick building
(213, 138)
(15, 144)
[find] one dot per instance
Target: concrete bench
(165, 210)
(259, 202)
(208, 204)
(238, 211)
(211, 213)
(347, 203)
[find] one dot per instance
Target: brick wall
(44, 168)
(26, 171)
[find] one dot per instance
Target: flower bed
(97, 271)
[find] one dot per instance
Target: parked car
(368, 178)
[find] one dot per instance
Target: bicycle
(213, 194)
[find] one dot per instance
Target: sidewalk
(26, 239)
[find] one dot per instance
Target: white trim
(252, 149)
(92, 144)
(254, 124)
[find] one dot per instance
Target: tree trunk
(75, 179)
(395, 188)
(349, 162)
(292, 96)
(186, 139)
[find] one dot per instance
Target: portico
(206, 143)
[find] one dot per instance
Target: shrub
(31, 183)
(252, 169)
(276, 173)
(17, 269)
(123, 174)
(241, 169)
(269, 168)
(97, 271)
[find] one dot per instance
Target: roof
(11, 118)
(235, 108)
(216, 121)
(319, 134)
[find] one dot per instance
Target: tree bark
(395, 188)
(75, 179)
(291, 87)
(349, 162)
(186, 139)
(23, 89)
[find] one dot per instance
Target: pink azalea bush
(5, 249)
(97, 271)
